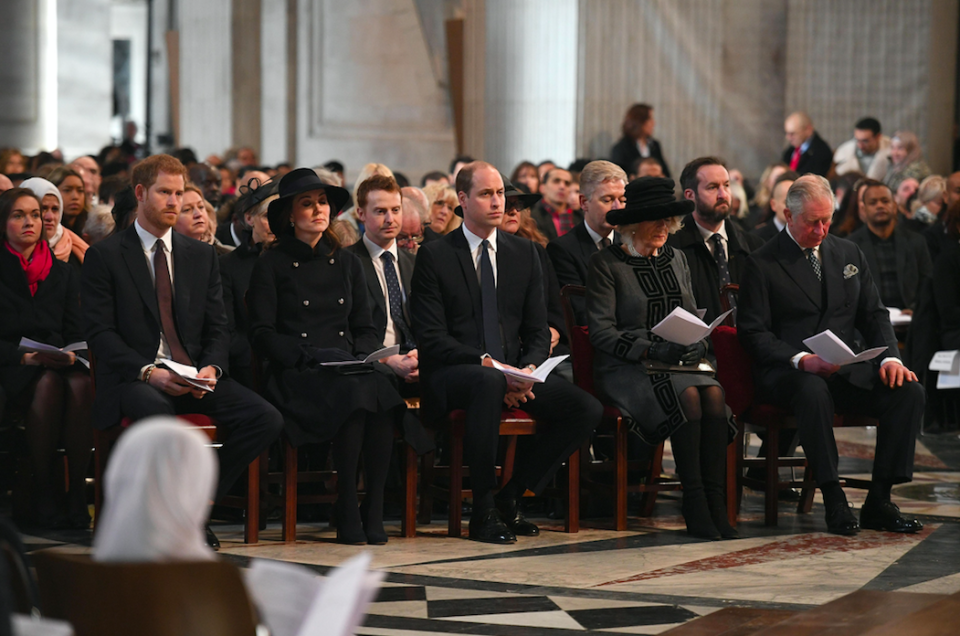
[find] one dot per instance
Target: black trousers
(814, 400)
(251, 423)
(570, 412)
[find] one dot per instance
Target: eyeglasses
(407, 240)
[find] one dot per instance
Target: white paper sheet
(386, 352)
(343, 599)
(31, 346)
(946, 362)
(283, 592)
(538, 376)
(948, 380)
(683, 328)
(24, 625)
(898, 318)
(189, 374)
(833, 350)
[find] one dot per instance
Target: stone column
(273, 82)
(530, 81)
(246, 62)
(28, 101)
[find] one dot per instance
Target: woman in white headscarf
(66, 245)
(158, 488)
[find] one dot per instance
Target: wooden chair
(205, 598)
(513, 424)
(735, 373)
(20, 579)
(105, 439)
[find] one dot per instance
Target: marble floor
(647, 579)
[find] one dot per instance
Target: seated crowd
(267, 280)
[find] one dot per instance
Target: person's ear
(140, 192)
(583, 202)
(462, 198)
(788, 215)
(689, 194)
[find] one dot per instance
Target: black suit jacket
(570, 255)
(766, 231)
(545, 220)
(121, 319)
(625, 152)
(445, 307)
(817, 159)
(703, 266)
(377, 295)
(913, 260)
(782, 303)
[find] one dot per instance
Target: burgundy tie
(165, 302)
(795, 159)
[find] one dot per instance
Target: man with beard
(208, 180)
(552, 213)
(716, 248)
(898, 259)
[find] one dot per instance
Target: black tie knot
(387, 256)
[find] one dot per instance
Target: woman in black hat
(630, 288)
(308, 304)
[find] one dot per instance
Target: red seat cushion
(191, 418)
(582, 353)
(734, 369)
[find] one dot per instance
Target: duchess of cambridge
(308, 305)
(630, 288)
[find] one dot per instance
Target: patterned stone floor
(645, 580)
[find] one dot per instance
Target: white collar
(816, 250)
(596, 238)
(707, 234)
(474, 241)
(148, 240)
(777, 224)
(376, 251)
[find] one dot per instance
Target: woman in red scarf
(39, 300)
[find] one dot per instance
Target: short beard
(711, 215)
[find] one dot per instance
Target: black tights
(60, 409)
(369, 434)
(700, 445)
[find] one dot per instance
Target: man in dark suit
(778, 202)
(553, 215)
(132, 323)
(602, 186)
(807, 152)
(899, 260)
(388, 271)
(800, 284)
(477, 296)
(716, 248)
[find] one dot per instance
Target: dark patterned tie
(721, 257)
(815, 262)
(168, 322)
(396, 302)
(604, 243)
(488, 297)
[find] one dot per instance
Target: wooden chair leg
(650, 496)
(456, 484)
(289, 492)
(572, 523)
(732, 505)
(251, 523)
(620, 468)
(408, 523)
(426, 488)
(772, 478)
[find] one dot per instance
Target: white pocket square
(850, 271)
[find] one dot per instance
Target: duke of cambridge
(150, 294)
(477, 295)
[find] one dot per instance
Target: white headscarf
(41, 188)
(158, 487)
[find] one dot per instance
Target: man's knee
(140, 400)
(811, 393)
(912, 393)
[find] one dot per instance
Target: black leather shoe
(841, 520)
(886, 516)
(509, 510)
(487, 527)
(212, 540)
(789, 494)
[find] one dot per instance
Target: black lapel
(459, 242)
(796, 265)
(587, 247)
(508, 266)
(903, 266)
(831, 258)
(406, 263)
(373, 281)
(182, 280)
(131, 250)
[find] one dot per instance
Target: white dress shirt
(390, 336)
(474, 241)
(149, 244)
(596, 238)
(708, 238)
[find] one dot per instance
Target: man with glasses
(416, 215)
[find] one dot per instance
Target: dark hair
(873, 183)
(124, 204)
(376, 182)
(436, 175)
(7, 201)
(545, 162)
(523, 165)
(578, 165)
(114, 168)
(60, 174)
(849, 213)
(401, 179)
(286, 209)
(332, 166)
(637, 115)
(951, 220)
(546, 175)
(186, 156)
(460, 159)
(868, 123)
(110, 186)
(789, 175)
(145, 173)
(689, 179)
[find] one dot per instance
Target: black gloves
(672, 353)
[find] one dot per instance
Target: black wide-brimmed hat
(253, 194)
(510, 190)
(296, 182)
(649, 199)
